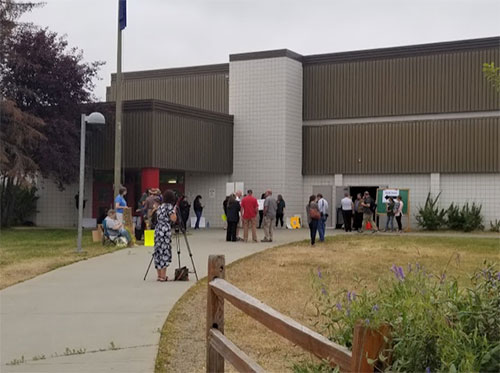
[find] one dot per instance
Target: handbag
(181, 274)
(314, 214)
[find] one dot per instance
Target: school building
(419, 117)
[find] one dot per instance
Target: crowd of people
(161, 212)
(357, 214)
(242, 210)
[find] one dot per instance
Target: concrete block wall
(57, 208)
(265, 97)
(482, 189)
(201, 184)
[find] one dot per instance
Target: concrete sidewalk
(99, 315)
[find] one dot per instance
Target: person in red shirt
(249, 210)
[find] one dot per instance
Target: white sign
(386, 193)
(261, 204)
(239, 186)
(211, 193)
(229, 189)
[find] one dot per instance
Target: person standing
(347, 208)
(358, 212)
(270, 207)
(249, 207)
(280, 212)
(238, 195)
(261, 212)
(390, 214)
(233, 217)
(198, 210)
(163, 234)
(368, 208)
(120, 203)
(313, 217)
(184, 208)
(323, 210)
(398, 212)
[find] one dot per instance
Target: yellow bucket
(149, 237)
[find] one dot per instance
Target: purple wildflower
(398, 272)
(409, 267)
(348, 312)
(418, 266)
(498, 276)
(367, 321)
(351, 296)
(339, 306)
(401, 273)
(319, 273)
(428, 370)
(375, 308)
(323, 290)
(443, 277)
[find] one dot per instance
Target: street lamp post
(94, 118)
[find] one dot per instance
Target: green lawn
(28, 252)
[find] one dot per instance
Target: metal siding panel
(441, 82)
(456, 146)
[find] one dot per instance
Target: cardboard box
(97, 235)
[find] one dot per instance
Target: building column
(150, 178)
(435, 184)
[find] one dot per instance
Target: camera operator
(166, 217)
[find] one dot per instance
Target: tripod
(177, 231)
(178, 244)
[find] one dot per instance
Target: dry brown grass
(281, 277)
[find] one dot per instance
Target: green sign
(393, 192)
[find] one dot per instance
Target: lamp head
(95, 118)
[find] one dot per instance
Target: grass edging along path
(29, 252)
(282, 276)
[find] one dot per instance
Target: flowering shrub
(436, 324)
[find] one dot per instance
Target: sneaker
(265, 240)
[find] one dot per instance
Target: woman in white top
(398, 212)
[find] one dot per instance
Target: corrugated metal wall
(168, 141)
(192, 144)
(437, 83)
(208, 91)
(447, 146)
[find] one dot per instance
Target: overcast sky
(174, 33)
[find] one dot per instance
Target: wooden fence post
(367, 343)
(215, 312)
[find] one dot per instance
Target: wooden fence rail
(366, 343)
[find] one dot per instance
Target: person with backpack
(368, 209)
(313, 217)
(390, 214)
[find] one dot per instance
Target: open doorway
(354, 190)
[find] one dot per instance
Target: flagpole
(118, 114)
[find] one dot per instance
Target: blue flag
(122, 14)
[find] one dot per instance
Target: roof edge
(175, 71)
(177, 109)
(403, 51)
(265, 54)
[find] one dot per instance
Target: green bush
(17, 202)
(495, 226)
(436, 324)
(430, 217)
(466, 219)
